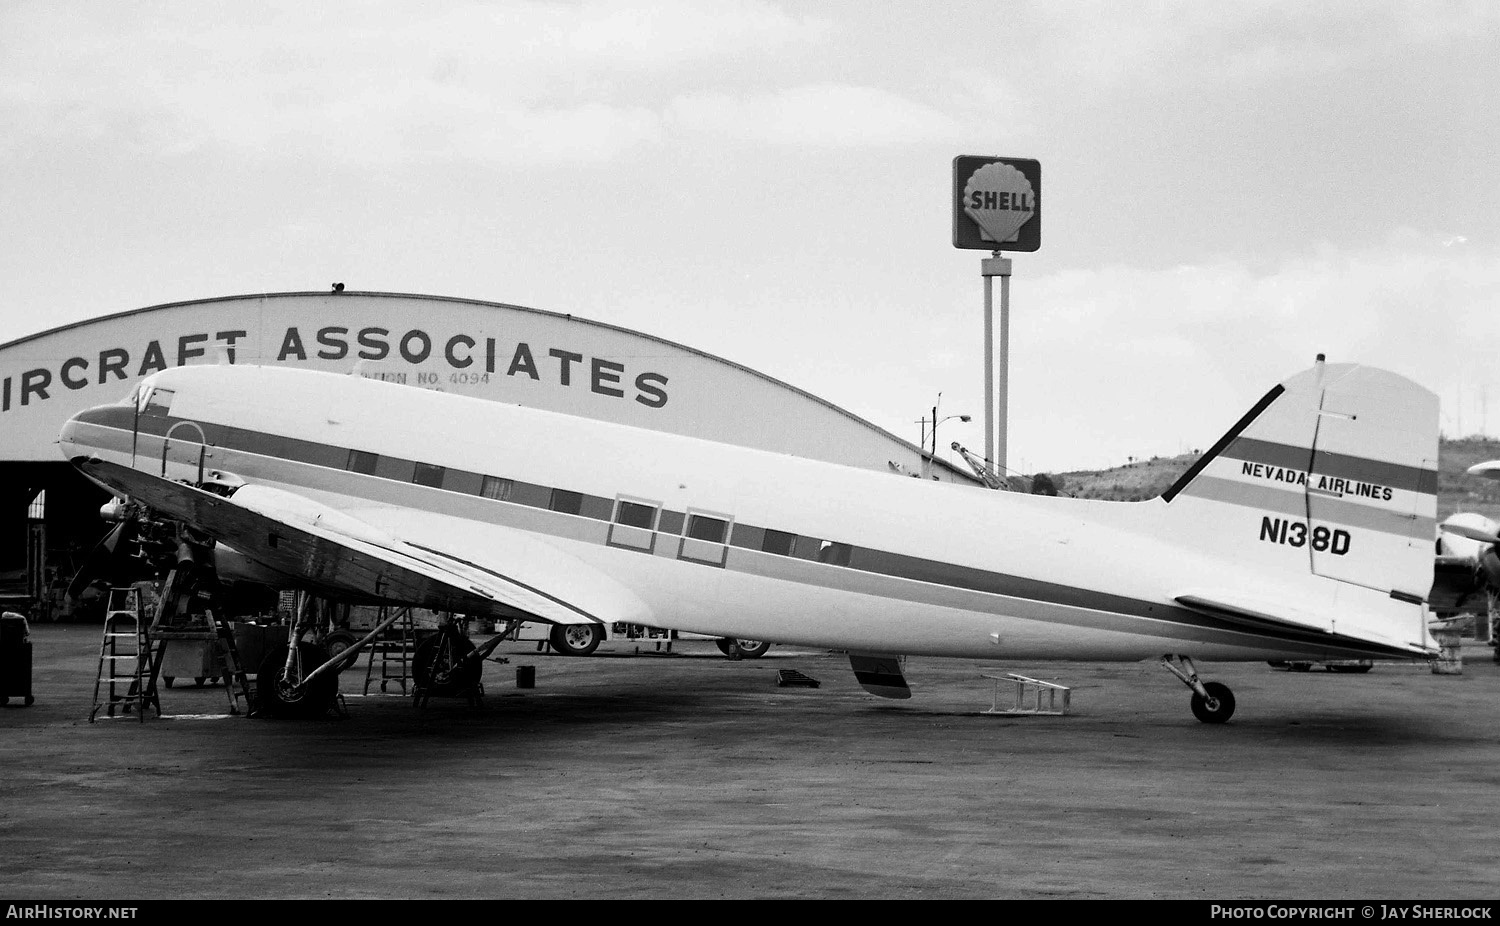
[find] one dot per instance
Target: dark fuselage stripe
(1323, 463)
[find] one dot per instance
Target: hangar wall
(495, 351)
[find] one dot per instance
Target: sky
(1228, 189)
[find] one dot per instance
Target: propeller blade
(101, 560)
(1489, 469)
(1472, 533)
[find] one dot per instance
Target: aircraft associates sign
(491, 351)
(997, 203)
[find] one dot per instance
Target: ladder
(124, 659)
(392, 653)
(1030, 694)
(183, 615)
(131, 655)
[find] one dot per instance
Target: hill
(1143, 479)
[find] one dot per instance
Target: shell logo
(1000, 200)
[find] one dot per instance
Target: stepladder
(1033, 696)
(390, 658)
(122, 683)
(133, 652)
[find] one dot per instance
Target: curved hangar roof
(490, 350)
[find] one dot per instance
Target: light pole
(934, 421)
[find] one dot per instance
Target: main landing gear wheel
(438, 667)
(277, 692)
(742, 649)
(1217, 707)
(337, 642)
(576, 639)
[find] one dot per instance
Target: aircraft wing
(337, 553)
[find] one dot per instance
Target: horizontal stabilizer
(880, 675)
(1257, 612)
(1254, 610)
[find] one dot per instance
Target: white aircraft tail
(1334, 474)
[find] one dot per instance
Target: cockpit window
(158, 402)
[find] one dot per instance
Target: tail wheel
(577, 639)
(438, 666)
(278, 693)
(1217, 707)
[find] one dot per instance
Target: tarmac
(637, 773)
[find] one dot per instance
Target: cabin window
(428, 475)
(566, 502)
(497, 488)
(705, 540)
(702, 527)
(779, 542)
(634, 514)
(361, 461)
(634, 525)
(835, 554)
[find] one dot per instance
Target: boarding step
(791, 678)
(1033, 696)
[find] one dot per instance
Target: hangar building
(49, 514)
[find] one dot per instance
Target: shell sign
(997, 203)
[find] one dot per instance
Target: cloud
(376, 82)
(1130, 361)
(1182, 42)
(657, 35)
(828, 116)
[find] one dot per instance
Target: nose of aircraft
(74, 436)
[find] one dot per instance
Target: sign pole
(997, 207)
(991, 267)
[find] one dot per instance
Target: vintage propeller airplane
(1305, 532)
(1467, 576)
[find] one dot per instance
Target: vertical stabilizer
(1332, 474)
